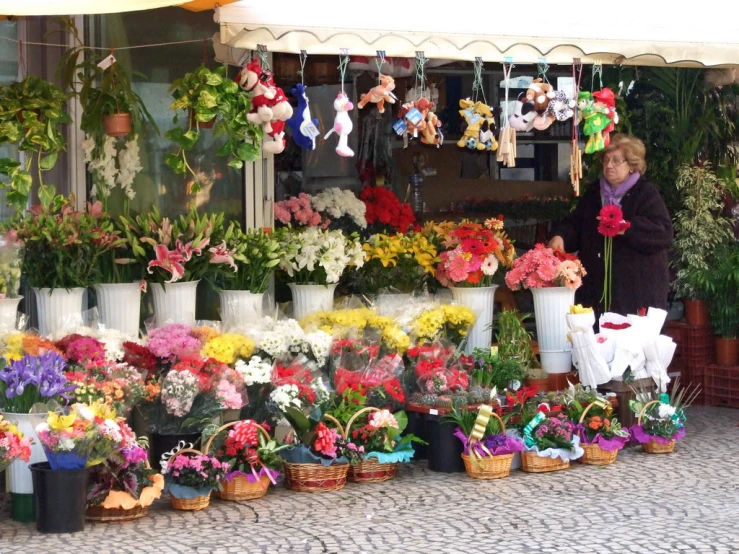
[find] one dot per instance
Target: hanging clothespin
(262, 55)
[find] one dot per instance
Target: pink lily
(95, 209)
(187, 250)
(222, 255)
(168, 261)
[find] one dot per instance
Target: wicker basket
(488, 467)
(372, 471)
(190, 504)
(369, 470)
(531, 463)
(654, 447)
(110, 515)
(240, 488)
(593, 453)
(317, 477)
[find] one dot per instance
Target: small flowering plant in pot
(124, 485)
(601, 435)
(191, 476)
(320, 456)
(662, 418)
(487, 454)
(377, 435)
(252, 457)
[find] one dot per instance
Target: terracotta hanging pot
(727, 352)
(201, 124)
(118, 124)
(696, 312)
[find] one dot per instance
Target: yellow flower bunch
(391, 250)
(448, 320)
(355, 322)
(13, 344)
(228, 348)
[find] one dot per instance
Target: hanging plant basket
(200, 124)
(118, 124)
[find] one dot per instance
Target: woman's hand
(557, 243)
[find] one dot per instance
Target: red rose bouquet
(612, 223)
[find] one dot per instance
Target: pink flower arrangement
(13, 445)
(173, 341)
(298, 209)
(200, 471)
(85, 349)
(382, 419)
(542, 267)
(228, 395)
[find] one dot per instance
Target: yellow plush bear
(479, 131)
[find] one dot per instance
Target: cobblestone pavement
(684, 502)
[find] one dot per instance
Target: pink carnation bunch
(297, 209)
(228, 396)
(173, 341)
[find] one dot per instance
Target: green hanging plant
(31, 112)
(207, 95)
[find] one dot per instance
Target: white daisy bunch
(338, 202)
(319, 343)
(285, 396)
(255, 371)
(311, 250)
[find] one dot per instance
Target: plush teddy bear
(523, 115)
(304, 129)
(380, 94)
(540, 94)
(342, 125)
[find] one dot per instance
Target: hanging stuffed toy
(607, 98)
(562, 106)
(540, 94)
(380, 94)
(595, 120)
(269, 105)
(523, 115)
(431, 133)
(342, 125)
(304, 129)
(478, 127)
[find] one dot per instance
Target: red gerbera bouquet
(612, 223)
(385, 212)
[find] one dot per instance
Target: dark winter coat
(640, 267)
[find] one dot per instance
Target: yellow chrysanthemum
(228, 348)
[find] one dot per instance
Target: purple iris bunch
(33, 379)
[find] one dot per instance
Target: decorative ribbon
(166, 456)
(484, 413)
(533, 424)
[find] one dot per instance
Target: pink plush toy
(269, 105)
(342, 125)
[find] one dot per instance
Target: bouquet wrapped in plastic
(439, 375)
(13, 446)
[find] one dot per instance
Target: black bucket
(61, 498)
(166, 443)
(444, 450)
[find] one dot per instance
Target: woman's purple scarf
(612, 196)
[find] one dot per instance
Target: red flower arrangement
(298, 376)
(385, 210)
(611, 224)
(140, 357)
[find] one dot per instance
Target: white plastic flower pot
(551, 306)
(309, 299)
(58, 309)
(240, 305)
(174, 302)
(481, 301)
(119, 305)
(9, 313)
(19, 480)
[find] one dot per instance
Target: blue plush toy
(304, 129)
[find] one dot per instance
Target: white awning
(630, 31)
(79, 7)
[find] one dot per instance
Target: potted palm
(212, 99)
(30, 119)
(718, 284)
(699, 230)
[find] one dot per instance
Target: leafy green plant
(718, 283)
(493, 370)
(258, 253)
(465, 420)
(699, 226)
(514, 341)
(64, 247)
(31, 113)
(207, 95)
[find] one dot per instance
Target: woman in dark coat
(640, 267)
